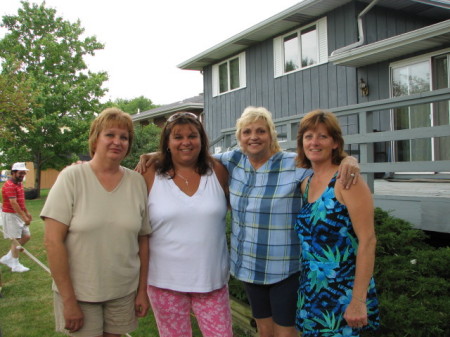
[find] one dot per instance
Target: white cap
(19, 167)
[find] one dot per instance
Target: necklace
(185, 180)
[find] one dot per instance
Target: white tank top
(188, 249)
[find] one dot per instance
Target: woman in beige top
(96, 235)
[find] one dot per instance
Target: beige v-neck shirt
(102, 239)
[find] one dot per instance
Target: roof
(192, 103)
(301, 14)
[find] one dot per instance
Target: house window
(441, 110)
(417, 76)
(291, 53)
(309, 43)
(229, 75)
(302, 48)
(407, 80)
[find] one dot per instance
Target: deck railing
(366, 138)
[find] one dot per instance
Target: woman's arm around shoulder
(348, 173)
(222, 175)
(145, 161)
(227, 156)
(149, 177)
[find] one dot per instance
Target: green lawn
(26, 309)
(26, 306)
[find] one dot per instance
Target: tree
(16, 97)
(146, 140)
(133, 106)
(51, 52)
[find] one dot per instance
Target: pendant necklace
(185, 180)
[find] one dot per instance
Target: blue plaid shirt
(264, 203)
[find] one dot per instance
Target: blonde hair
(252, 114)
(108, 118)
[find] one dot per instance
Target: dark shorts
(278, 300)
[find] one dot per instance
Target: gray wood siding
(324, 86)
(380, 24)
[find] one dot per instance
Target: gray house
(381, 65)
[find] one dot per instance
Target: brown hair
(310, 122)
(164, 163)
(108, 118)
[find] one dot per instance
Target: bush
(146, 140)
(31, 193)
(412, 281)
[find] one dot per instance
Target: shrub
(31, 193)
(412, 280)
(146, 140)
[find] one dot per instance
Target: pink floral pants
(172, 312)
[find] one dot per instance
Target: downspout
(361, 38)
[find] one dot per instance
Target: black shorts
(278, 300)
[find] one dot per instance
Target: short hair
(165, 163)
(252, 114)
(310, 122)
(110, 117)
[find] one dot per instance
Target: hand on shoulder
(221, 173)
(146, 160)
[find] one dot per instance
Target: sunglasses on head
(181, 114)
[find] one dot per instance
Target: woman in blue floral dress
(337, 294)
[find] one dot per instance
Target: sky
(145, 40)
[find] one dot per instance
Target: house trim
(300, 14)
(425, 38)
(419, 58)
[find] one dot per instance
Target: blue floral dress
(329, 246)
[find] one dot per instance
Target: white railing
(367, 138)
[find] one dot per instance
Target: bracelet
(359, 299)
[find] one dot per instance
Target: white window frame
(216, 77)
(404, 63)
(322, 46)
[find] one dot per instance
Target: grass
(26, 309)
(27, 297)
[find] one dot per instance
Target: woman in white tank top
(188, 269)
